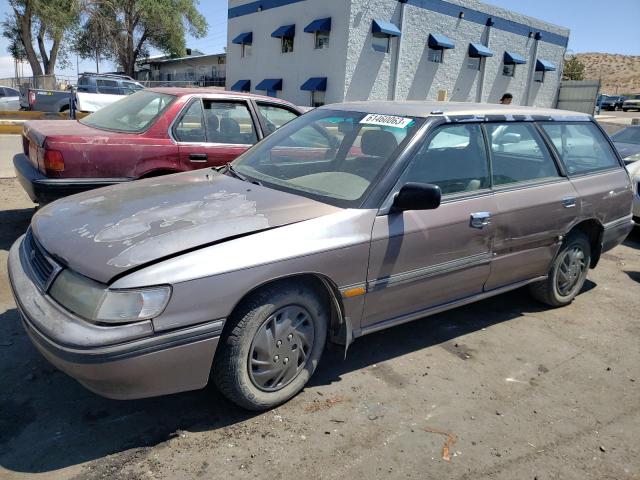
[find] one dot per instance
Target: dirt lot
(504, 388)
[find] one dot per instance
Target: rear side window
(110, 87)
(274, 116)
(229, 122)
(518, 154)
(454, 159)
(581, 146)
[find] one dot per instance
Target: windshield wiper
(234, 172)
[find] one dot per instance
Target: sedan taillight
(32, 98)
(53, 161)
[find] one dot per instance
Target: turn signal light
(53, 161)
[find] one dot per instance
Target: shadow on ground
(48, 421)
(14, 223)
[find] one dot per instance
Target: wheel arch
(340, 330)
(158, 172)
(593, 229)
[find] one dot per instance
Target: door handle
(480, 219)
(198, 157)
(569, 202)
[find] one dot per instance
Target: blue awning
(315, 84)
(440, 41)
(479, 50)
(242, 86)
(514, 58)
(285, 31)
(270, 84)
(544, 66)
(320, 25)
(388, 28)
(244, 39)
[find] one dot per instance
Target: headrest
(228, 126)
(379, 143)
(212, 121)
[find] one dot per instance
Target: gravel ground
(502, 389)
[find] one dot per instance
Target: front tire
(272, 345)
(567, 273)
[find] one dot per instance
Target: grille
(43, 268)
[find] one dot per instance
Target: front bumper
(118, 361)
(42, 189)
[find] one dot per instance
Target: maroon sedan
(152, 132)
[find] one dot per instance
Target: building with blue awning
(325, 51)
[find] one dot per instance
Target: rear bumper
(119, 361)
(615, 232)
(42, 189)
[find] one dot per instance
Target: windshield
(628, 135)
(134, 113)
(332, 156)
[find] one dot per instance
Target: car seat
(377, 146)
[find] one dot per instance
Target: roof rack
(108, 75)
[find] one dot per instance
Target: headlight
(95, 302)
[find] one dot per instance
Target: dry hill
(619, 73)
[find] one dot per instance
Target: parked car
(634, 172)
(150, 133)
(9, 99)
(632, 103)
(611, 102)
(349, 219)
(108, 86)
(627, 141)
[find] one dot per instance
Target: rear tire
(272, 345)
(567, 273)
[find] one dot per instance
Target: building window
(474, 63)
(381, 42)
(435, 55)
(539, 76)
(246, 50)
(317, 99)
(509, 70)
(287, 44)
(322, 40)
(272, 93)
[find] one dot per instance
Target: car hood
(627, 149)
(107, 232)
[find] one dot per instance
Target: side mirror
(417, 196)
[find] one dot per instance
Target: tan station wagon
(349, 219)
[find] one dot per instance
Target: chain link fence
(64, 82)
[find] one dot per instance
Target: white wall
(356, 72)
(295, 68)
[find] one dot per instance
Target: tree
(47, 21)
(573, 69)
(133, 26)
(91, 40)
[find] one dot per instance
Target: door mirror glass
(417, 196)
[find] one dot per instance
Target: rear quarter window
(581, 146)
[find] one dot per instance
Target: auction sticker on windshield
(386, 120)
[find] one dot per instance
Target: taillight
(53, 161)
(32, 98)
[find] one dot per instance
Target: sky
(608, 26)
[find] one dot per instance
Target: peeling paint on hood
(103, 233)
